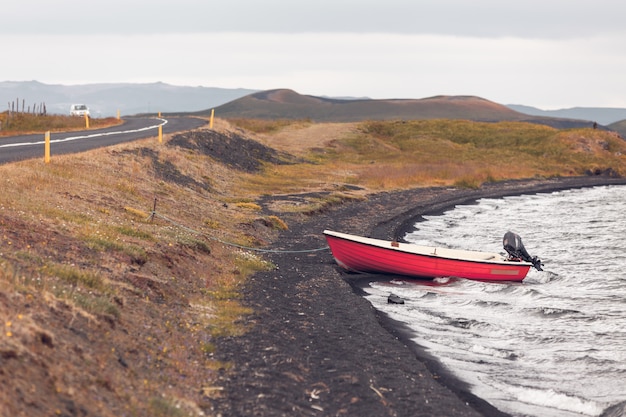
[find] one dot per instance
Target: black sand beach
(317, 348)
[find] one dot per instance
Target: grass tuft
(135, 232)
(277, 223)
(249, 206)
(136, 212)
(75, 276)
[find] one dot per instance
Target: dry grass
(267, 126)
(26, 123)
(399, 155)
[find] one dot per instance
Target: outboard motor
(515, 248)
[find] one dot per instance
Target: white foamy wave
(492, 352)
(536, 277)
(556, 400)
(442, 280)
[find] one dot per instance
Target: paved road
(16, 148)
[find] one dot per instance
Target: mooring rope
(154, 214)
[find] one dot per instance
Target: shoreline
(317, 347)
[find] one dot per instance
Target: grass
(135, 232)
(277, 223)
(27, 123)
(76, 277)
(444, 151)
(266, 126)
(249, 206)
(398, 155)
(228, 312)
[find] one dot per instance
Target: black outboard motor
(515, 248)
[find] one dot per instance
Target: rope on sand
(154, 214)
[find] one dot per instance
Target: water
(553, 345)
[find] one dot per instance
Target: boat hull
(359, 254)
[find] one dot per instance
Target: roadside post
(211, 122)
(46, 157)
(160, 133)
(86, 121)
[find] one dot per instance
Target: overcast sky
(544, 53)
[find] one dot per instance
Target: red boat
(363, 254)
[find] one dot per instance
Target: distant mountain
(288, 104)
(106, 99)
(601, 115)
(284, 103)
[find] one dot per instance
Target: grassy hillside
(119, 267)
(619, 127)
(389, 155)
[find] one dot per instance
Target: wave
(556, 400)
(554, 312)
(464, 323)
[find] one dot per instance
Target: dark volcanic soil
(236, 151)
(318, 348)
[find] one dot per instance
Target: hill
(602, 115)
(288, 104)
(619, 127)
(105, 100)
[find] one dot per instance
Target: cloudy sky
(544, 53)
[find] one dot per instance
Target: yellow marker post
(86, 121)
(159, 114)
(118, 115)
(46, 157)
(160, 133)
(211, 122)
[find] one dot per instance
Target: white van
(79, 110)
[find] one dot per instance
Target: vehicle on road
(79, 110)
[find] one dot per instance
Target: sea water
(553, 345)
